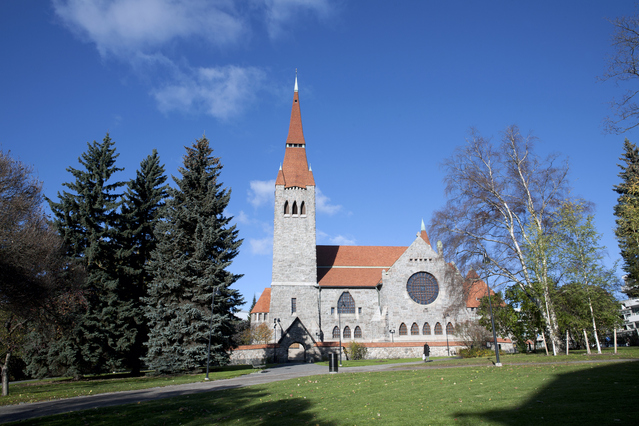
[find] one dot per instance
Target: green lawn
(46, 390)
(574, 393)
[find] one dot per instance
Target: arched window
(450, 329)
(286, 208)
(426, 330)
(414, 329)
(303, 208)
(346, 304)
(335, 332)
(347, 332)
(294, 210)
(403, 331)
(438, 328)
(358, 333)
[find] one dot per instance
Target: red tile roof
(264, 302)
(295, 171)
(382, 257)
(476, 290)
(354, 266)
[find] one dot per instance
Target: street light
(339, 320)
(208, 355)
(492, 317)
(446, 325)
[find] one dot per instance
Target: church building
(392, 300)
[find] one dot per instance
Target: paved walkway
(11, 413)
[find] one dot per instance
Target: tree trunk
(5, 374)
(615, 341)
(587, 344)
(567, 341)
(543, 336)
(551, 322)
(594, 326)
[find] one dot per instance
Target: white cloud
(281, 12)
(261, 192)
(323, 205)
(221, 92)
(242, 218)
(340, 240)
(261, 246)
(122, 27)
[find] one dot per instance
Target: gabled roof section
(295, 171)
(263, 304)
(371, 256)
(476, 289)
(354, 266)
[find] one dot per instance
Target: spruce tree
(195, 246)
(86, 218)
(144, 197)
(627, 212)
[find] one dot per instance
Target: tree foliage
(622, 68)
(36, 282)
(195, 247)
(627, 212)
(87, 218)
(143, 199)
(501, 198)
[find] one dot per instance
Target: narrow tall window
(294, 209)
(414, 329)
(346, 304)
(286, 208)
(426, 331)
(450, 329)
(438, 328)
(302, 208)
(358, 332)
(403, 331)
(294, 305)
(347, 332)
(335, 332)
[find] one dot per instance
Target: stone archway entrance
(297, 345)
(297, 352)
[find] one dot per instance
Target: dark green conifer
(627, 212)
(195, 246)
(86, 218)
(144, 197)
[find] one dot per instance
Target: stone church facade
(392, 300)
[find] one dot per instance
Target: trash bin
(333, 363)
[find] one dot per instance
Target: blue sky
(387, 91)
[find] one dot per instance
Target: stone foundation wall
(261, 354)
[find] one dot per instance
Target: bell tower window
(286, 208)
(294, 209)
(303, 209)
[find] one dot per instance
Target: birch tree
(501, 198)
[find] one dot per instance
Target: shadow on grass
(245, 406)
(597, 395)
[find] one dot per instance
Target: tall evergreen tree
(195, 246)
(86, 218)
(627, 212)
(144, 197)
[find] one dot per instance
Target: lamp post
(339, 321)
(446, 325)
(208, 355)
(492, 317)
(274, 330)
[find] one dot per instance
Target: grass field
(47, 390)
(531, 393)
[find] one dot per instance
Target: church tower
(294, 281)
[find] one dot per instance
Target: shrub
(357, 351)
(475, 352)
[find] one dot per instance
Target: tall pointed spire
(295, 171)
(424, 234)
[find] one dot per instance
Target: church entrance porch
(297, 352)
